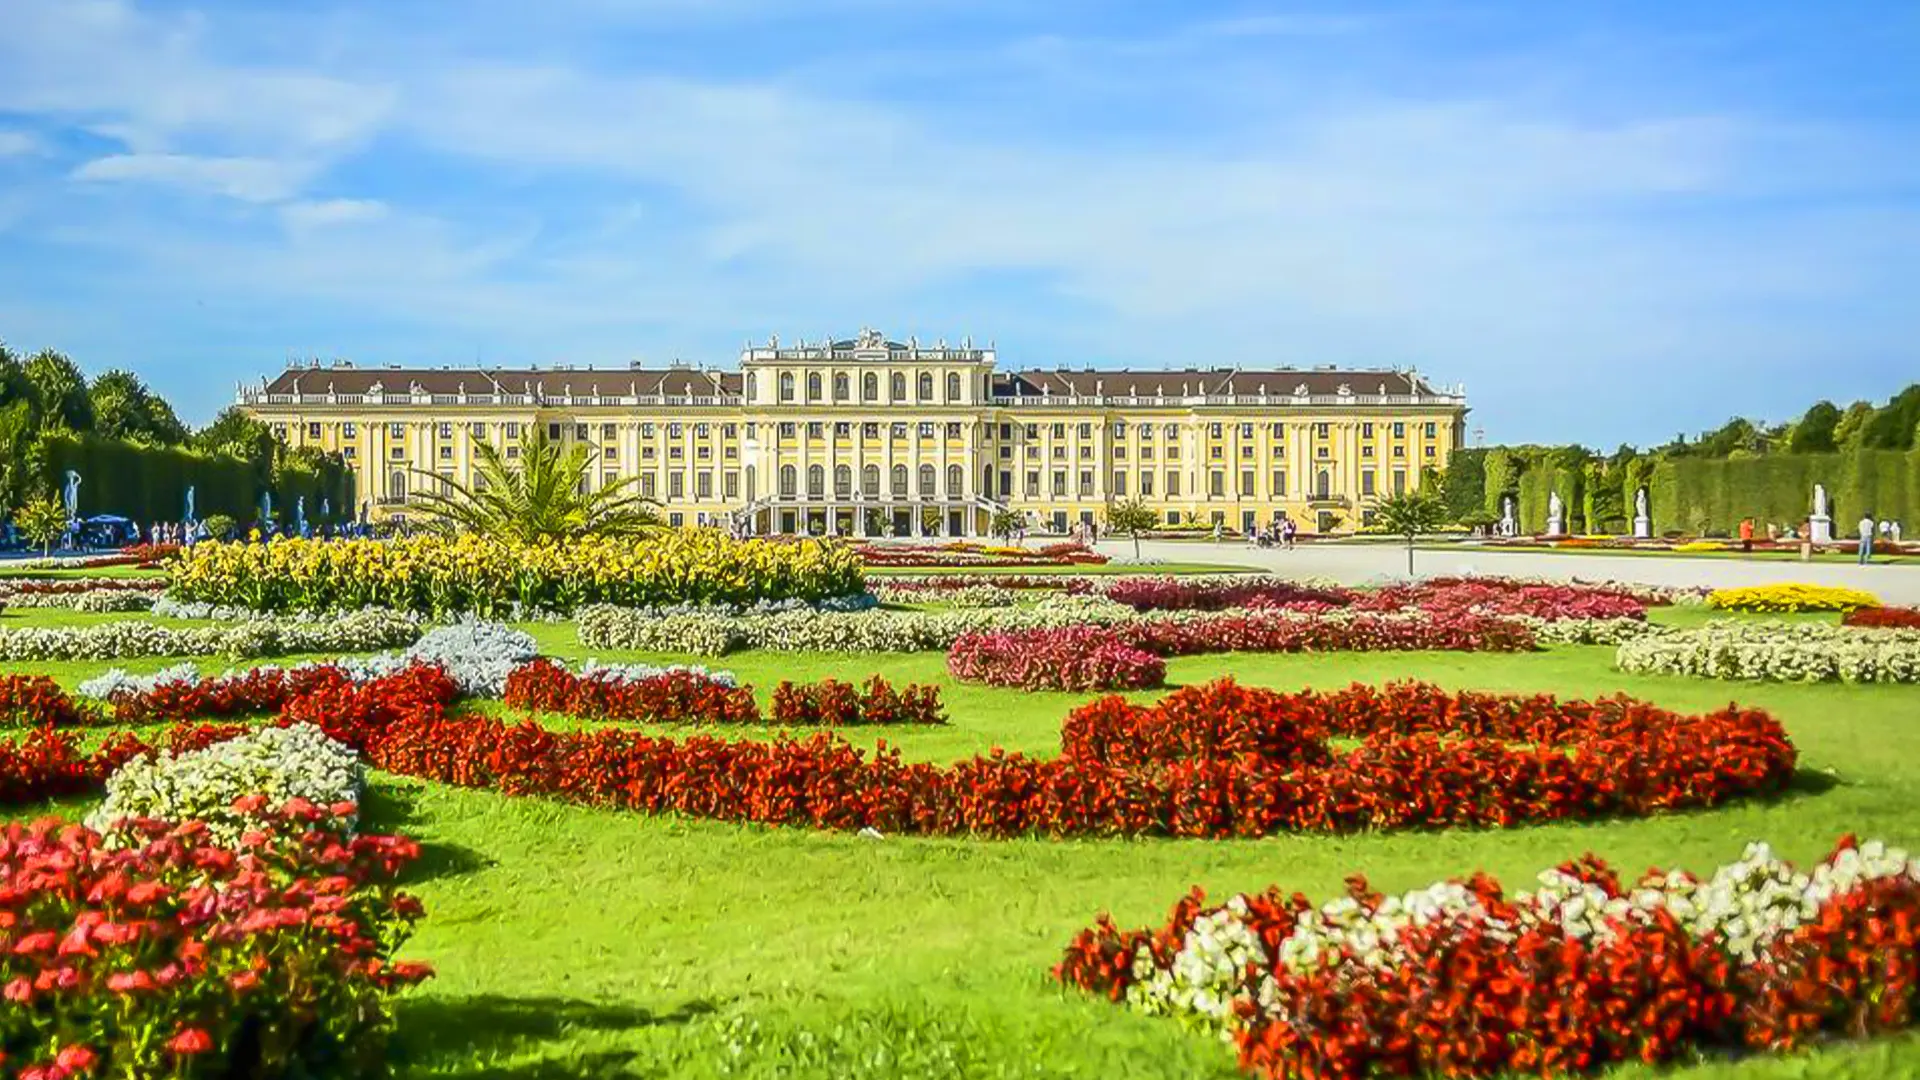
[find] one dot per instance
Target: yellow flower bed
(1791, 597)
(439, 575)
(1701, 545)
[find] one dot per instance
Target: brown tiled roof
(1190, 381)
(553, 382)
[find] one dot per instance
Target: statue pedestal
(1553, 527)
(1822, 529)
(1642, 529)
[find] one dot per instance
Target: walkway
(1355, 564)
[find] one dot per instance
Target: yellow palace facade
(868, 436)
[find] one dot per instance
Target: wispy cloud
(246, 179)
(18, 143)
(325, 213)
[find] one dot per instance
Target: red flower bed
(35, 701)
(1065, 583)
(256, 691)
(1510, 986)
(150, 554)
(1890, 618)
(1175, 594)
(1070, 658)
(677, 697)
(177, 958)
(832, 703)
(1448, 596)
(1426, 758)
(1269, 631)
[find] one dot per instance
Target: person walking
(1287, 530)
(1746, 535)
(1866, 538)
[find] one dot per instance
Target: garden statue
(266, 508)
(72, 495)
(1820, 525)
(300, 516)
(1555, 512)
(326, 508)
(1642, 521)
(1508, 527)
(188, 519)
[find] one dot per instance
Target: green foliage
(1409, 515)
(123, 408)
(1892, 426)
(1815, 433)
(1463, 486)
(1132, 518)
(543, 496)
(218, 525)
(42, 521)
(1852, 425)
(1502, 478)
(60, 391)
(1005, 523)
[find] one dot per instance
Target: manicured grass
(580, 942)
(1757, 556)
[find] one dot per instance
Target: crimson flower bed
(1425, 759)
(1070, 658)
(1442, 596)
(832, 703)
(35, 701)
(1070, 584)
(1890, 618)
(962, 553)
(675, 697)
(1584, 972)
(1267, 631)
(179, 958)
(1174, 594)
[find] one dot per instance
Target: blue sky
(1610, 221)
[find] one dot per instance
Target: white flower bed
(1588, 631)
(970, 596)
(178, 609)
(642, 672)
(355, 632)
(111, 595)
(1740, 909)
(202, 785)
(1778, 652)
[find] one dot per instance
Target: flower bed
(35, 701)
(964, 553)
(1495, 596)
(1074, 658)
(832, 703)
(679, 696)
(82, 594)
(904, 584)
(1464, 979)
(1777, 652)
(354, 632)
(1217, 593)
(477, 574)
(153, 960)
(1884, 618)
(227, 786)
(1776, 599)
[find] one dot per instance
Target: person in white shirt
(1866, 538)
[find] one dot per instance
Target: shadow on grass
(469, 1037)
(389, 809)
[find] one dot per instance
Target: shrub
(1790, 597)
(1073, 658)
(1893, 618)
(153, 959)
(475, 574)
(210, 785)
(832, 703)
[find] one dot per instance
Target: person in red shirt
(1746, 534)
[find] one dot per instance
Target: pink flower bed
(1174, 594)
(1073, 658)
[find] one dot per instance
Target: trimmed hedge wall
(148, 483)
(1700, 496)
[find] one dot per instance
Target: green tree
(1410, 515)
(542, 496)
(879, 522)
(42, 521)
(1852, 425)
(1132, 518)
(123, 408)
(61, 391)
(16, 443)
(1464, 484)
(1891, 426)
(1814, 434)
(1006, 522)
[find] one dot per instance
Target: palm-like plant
(542, 496)
(1409, 515)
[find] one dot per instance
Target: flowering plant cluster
(1216, 593)
(211, 785)
(485, 576)
(832, 703)
(354, 632)
(1072, 658)
(1775, 599)
(35, 701)
(1498, 596)
(967, 553)
(971, 596)
(178, 957)
(664, 696)
(1885, 618)
(150, 554)
(1463, 979)
(82, 594)
(902, 584)
(1778, 652)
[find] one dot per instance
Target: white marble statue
(1819, 500)
(1556, 511)
(1640, 503)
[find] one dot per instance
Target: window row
(842, 385)
(898, 478)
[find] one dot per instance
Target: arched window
(899, 477)
(870, 479)
(842, 481)
(813, 386)
(816, 480)
(1324, 487)
(870, 387)
(955, 481)
(899, 387)
(953, 387)
(397, 486)
(786, 386)
(788, 481)
(840, 386)
(926, 386)
(986, 481)
(926, 481)
(749, 385)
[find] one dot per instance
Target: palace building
(868, 436)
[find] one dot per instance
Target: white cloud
(18, 144)
(330, 212)
(257, 180)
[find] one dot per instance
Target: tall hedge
(148, 483)
(1701, 496)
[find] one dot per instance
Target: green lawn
(577, 942)
(1759, 556)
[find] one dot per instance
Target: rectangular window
(1006, 452)
(676, 519)
(646, 430)
(1006, 484)
(646, 453)
(953, 431)
(398, 431)
(1366, 482)
(703, 452)
(1279, 484)
(1246, 483)
(350, 429)
(1216, 483)
(676, 453)
(926, 429)
(610, 453)
(1173, 517)
(646, 485)
(899, 431)
(553, 431)
(701, 431)
(478, 431)
(1086, 483)
(1213, 431)
(1365, 451)
(1086, 453)
(1431, 450)
(1324, 452)
(446, 431)
(1146, 484)
(1006, 431)
(1433, 430)
(1320, 431)
(1173, 485)
(580, 431)
(733, 485)
(513, 429)
(727, 431)
(1399, 451)
(1246, 431)
(350, 453)
(1276, 430)
(1146, 453)
(676, 485)
(815, 429)
(446, 453)
(842, 430)
(1246, 451)
(1366, 431)
(786, 429)
(1119, 485)
(1120, 452)
(606, 431)
(1120, 429)
(1399, 482)
(313, 431)
(1033, 431)
(1059, 431)
(869, 431)
(703, 485)
(609, 478)
(1086, 431)
(397, 453)
(1399, 430)
(1173, 451)
(1033, 484)
(1059, 453)
(1059, 483)
(1217, 452)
